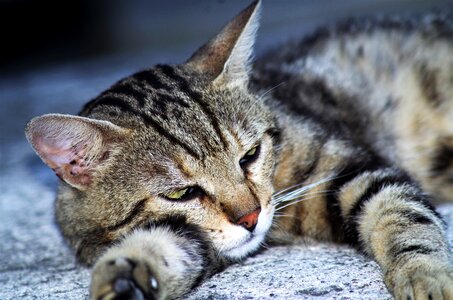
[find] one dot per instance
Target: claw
(154, 284)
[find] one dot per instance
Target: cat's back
(377, 46)
(386, 83)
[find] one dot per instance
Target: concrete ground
(35, 263)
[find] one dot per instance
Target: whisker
(264, 245)
(286, 198)
(277, 197)
(295, 187)
(285, 216)
(294, 202)
(276, 225)
(271, 89)
(282, 215)
(296, 191)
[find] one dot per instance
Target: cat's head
(186, 140)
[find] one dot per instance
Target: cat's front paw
(123, 278)
(417, 279)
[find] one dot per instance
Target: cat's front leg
(399, 228)
(124, 277)
(162, 262)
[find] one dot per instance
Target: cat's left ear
(227, 56)
(76, 148)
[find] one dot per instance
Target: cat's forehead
(179, 106)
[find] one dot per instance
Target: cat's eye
(183, 194)
(249, 157)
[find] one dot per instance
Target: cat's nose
(249, 221)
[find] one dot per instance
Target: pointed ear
(74, 147)
(227, 56)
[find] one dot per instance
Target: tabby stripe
(115, 102)
(419, 249)
(415, 217)
(323, 93)
(348, 174)
(195, 96)
(373, 189)
(276, 135)
(128, 89)
(428, 83)
(165, 133)
(150, 78)
(162, 91)
(138, 208)
(300, 175)
(305, 173)
(109, 100)
(424, 200)
(313, 165)
(442, 159)
(170, 98)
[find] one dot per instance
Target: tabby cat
(176, 171)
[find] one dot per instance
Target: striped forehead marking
(157, 97)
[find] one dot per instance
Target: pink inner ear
(55, 152)
(68, 161)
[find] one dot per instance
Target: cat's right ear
(226, 58)
(75, 148)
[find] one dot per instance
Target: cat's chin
(247, 248)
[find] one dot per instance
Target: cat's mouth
(250, 245)
(251, 241)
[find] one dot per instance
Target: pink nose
(249, 220)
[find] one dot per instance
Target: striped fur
(351, 135)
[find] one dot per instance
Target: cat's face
(187, 140)
(224, 174)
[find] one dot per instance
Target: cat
(176, 172)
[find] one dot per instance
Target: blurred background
(39, 33)
(56, 55)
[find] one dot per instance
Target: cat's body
(379, 87)
(189, 156)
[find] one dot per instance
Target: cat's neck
(301, 145)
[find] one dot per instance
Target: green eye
(249, 157)
(184, 194)
(251, 152)
(177, 194)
